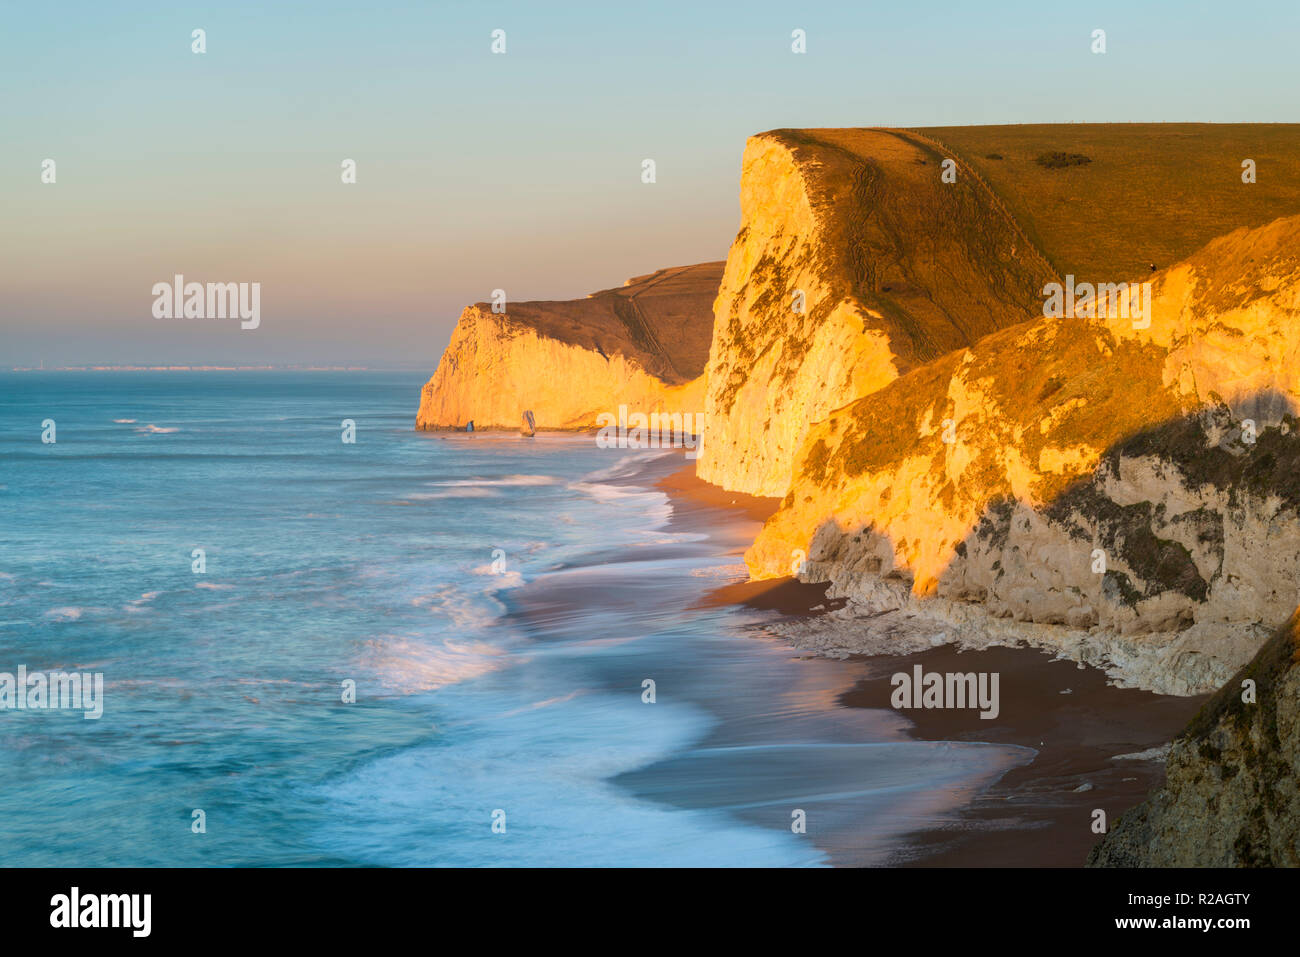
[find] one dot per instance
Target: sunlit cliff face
(1002, 473)
(854, 263)
(493, 371)
(641, 345)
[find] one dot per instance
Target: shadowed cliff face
(1230, 797)
(642, 345)
(1080, 476)
(854, 264)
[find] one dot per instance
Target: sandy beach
(1039, 814)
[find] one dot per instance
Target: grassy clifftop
(1150, 192)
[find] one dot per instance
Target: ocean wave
(152, 429)
(632, 501)
(504, 580)
(467, 611)
(618, 494)
(137, 604)
(537, 763)
(468, 491)
(407, 666)
(507, 481)
(65, 613)
(626, 465)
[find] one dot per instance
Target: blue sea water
(393, 562)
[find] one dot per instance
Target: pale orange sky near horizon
(364, 255)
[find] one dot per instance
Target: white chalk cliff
(1126, 495)
(641, 345)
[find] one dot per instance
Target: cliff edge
(855, 262)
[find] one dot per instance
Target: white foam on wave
(503, 580)
(545, 703)
(468, 611)
(547, 765)
(407, 666)
(639, 508)
(509, 481)
(65, 613)
(468, 491)
(626, 465)
(152, 429)
(137, 604)
(1158, 753)
(723, 572)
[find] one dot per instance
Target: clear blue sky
(479, 171)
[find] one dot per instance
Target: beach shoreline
(1024, 797)
(1077, 722)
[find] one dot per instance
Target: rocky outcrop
(855, 263)
(1231, 797)
(642, 345)
(1126, 495)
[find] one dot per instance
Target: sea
(328, 639)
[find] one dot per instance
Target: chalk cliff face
(855, 262)
(1127, 495)
(1232, 791)
(642, 345)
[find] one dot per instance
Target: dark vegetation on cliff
(1060, 160)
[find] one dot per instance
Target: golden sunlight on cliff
(999, 473)
(641, 345)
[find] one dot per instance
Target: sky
(478, 171)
